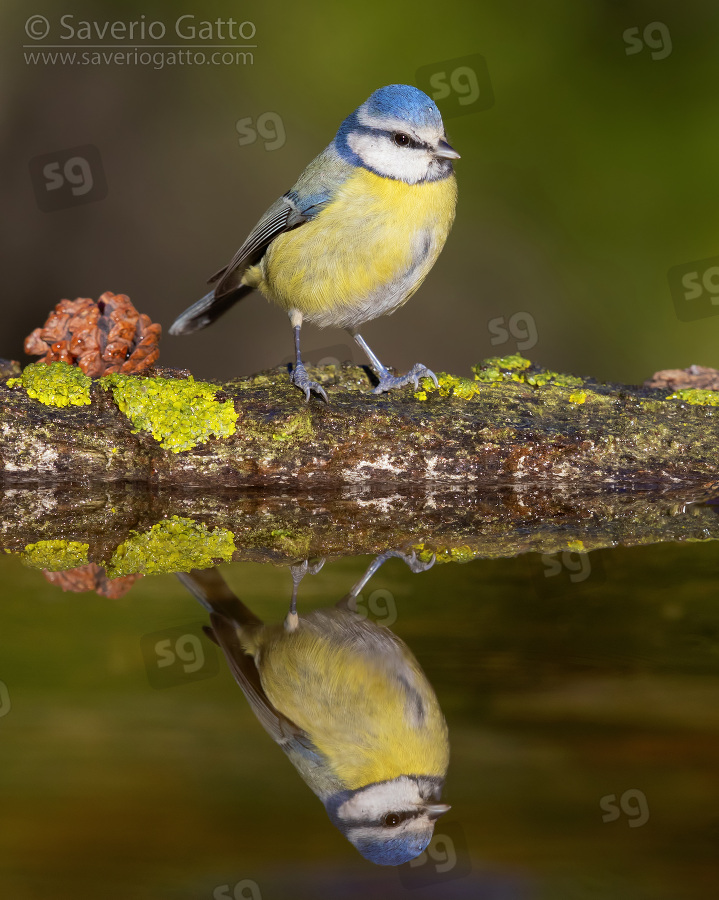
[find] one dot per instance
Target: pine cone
(100, 337)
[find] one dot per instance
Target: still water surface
(581, 694)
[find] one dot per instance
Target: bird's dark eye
(401, 139)
(392, 820)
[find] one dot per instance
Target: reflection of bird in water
(349, 705)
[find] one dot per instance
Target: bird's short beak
(435, 810)
(444, 151)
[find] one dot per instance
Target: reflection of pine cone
(102, 337)
(91, 578)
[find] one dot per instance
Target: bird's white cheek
(377, 799)
(386, 158)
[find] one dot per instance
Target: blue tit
(350, 706)
(356, 235)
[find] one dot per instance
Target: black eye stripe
(414, 144)
(393, 819)
(402, 139)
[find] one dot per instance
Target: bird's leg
(299, 375)
(298, 573)
(349, 601)
(388, 381)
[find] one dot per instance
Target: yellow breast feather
(369, 249)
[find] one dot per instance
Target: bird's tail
(206, 310)
(211, 589)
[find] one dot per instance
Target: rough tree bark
(508, 432)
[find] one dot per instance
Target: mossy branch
(511, 423)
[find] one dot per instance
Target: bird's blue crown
(402, 101)
(395, 101)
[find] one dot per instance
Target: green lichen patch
(54, 384)
(449, 386)
(517, 368)
(556, 379)
(297, 428)
(277, 431)
(515, 362)
(57, 556)
(180, 413)
(499, 369)
(696, 397)
(174, 545)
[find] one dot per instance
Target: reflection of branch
(281, 527)
(508, 430)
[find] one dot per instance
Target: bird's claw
(415, 565)
(301, 379)
(388, 382)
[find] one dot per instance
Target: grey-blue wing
(313, 190)
(283, 215)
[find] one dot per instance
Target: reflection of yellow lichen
(576, 546)
(179, 412)
(175, 545)
(56, 384)
(291, 543)
(55, 555)
(696, 397)
(461, 554)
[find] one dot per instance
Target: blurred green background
(587, 179)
